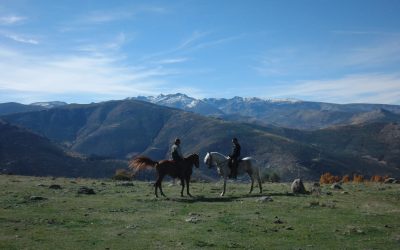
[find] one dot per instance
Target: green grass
(119, 217)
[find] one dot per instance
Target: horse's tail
(142, 162)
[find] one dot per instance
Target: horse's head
(208, 160)
(195, 160)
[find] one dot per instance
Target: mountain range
(14, 107)
(368, 143)
(280, 112)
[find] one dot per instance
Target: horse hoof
(222, 194)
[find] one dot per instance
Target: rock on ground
(55, 186)
(336, 186)
(264, 199)
(298, 187)
(85, 190)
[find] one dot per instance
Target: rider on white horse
(234, 158)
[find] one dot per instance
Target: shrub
(328, 178)
(122, 175)
(265, 176)
(346, 178)
(377, 178)
(358, 178)
(275, 177)
(268, 176)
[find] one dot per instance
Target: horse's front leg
(187, 187)
(223, 192)
(183, 186)
(162, 193)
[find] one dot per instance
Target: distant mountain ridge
(182, 101)
(52, 104)
(288, 113)
(14, 107)
(123, 129)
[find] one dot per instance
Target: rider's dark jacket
(235, 151)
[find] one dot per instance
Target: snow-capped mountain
(289, 113)
(49, 104)
(182, 101)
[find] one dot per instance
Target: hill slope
(23, 152)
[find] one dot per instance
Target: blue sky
(338, 51)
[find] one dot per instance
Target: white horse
(246, 165)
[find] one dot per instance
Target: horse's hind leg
(259, 183)
(158, 185)
(252, 184)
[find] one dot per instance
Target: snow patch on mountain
(49, 104)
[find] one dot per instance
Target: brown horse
(181, 170)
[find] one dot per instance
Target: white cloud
(171, 60)
(94, 75)
(107, 16)
(364, 88)
(11, 19)
(311, 61)
(103, 16)
(114, 44)
(21, 39)
(373, 55)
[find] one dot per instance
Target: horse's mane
(142, 162)
(191, 156)
(218, 153)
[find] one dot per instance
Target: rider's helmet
(177, 141)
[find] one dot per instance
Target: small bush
(377, 178)
(271, 177)
(358, 178)
(122, 175)
(328, 178)
(265, 176)
(346, 178)
(275, 177)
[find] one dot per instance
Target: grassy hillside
(363, 216)
(24, 152)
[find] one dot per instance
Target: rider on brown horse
(176, 152)
(234, 158)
